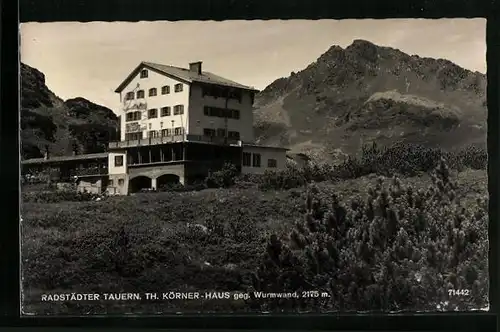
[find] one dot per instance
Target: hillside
(367, 92)
(62, 125)
(213, 239)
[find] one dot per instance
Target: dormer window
(152, 92)
(144, 73)
(140, 94)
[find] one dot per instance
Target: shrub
(247, 180)
(223, 178)
(290, 177)
(474, 157)
(58, 196)
(396, 249)
(179, 187)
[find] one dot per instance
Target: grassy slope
(60, 232)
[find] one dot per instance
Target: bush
(397, 249)
(474, 157)
(58, 196)
(223, 178)
(402, 159)
(290, 177)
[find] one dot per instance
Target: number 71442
(458, 292)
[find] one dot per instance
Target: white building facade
(156, 103)
(165, 104)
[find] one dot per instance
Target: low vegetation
(393, 229)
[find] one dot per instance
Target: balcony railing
(173, 139)
(147, 141)
(213, 139)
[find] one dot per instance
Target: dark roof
(65, 158)
(185, 75)
(253, 145)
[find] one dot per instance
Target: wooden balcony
(146, 142)
(213, 140)
(174, 139)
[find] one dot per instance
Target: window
(209, 132)
(178, 131)
(221, 132)
(152, 134)
(178, 87)
(129, 96)
(133, 136)
(121, 182)
(233, 134)
(110, 183)
(272, 163)
(152, 113)
(140, 94)
(222, 92)
(247, 159)
(161, 124)
(144, 73)
(150, 125)
(165, 90)
(152, 92)
(166, 132)
(256, 160)
(178, 109)
(118, 161)
(221, 112)
(133, 116)
(165, 111)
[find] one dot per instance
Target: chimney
(195, 67)
(46, 154)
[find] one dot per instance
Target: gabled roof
(184, 75)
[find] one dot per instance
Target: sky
(91, 59)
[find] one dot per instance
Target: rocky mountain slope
(62, 125)
(367, 93)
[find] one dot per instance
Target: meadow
(374, 232)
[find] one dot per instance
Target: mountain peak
(361, 43)
(364, 49)
(363, 87)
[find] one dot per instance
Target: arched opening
(140, 182)
(167, 180)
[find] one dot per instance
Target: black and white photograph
(233, 167)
